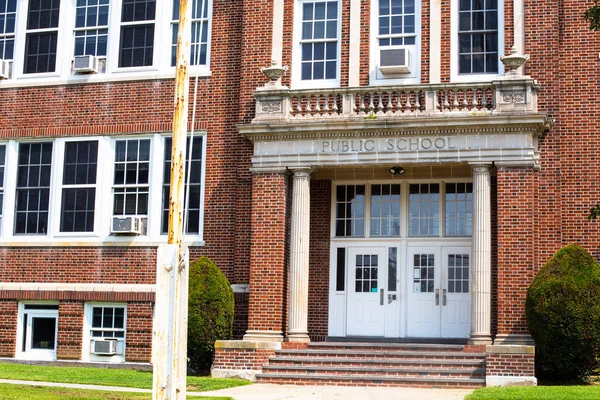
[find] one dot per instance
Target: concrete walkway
(290, 392)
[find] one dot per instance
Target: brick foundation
(510, 366)
(241, 358)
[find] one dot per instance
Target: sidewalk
(290, 392)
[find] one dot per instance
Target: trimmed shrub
(210, 312)
(563, 315)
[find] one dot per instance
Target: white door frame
(28, 353)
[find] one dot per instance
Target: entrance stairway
(377, 364)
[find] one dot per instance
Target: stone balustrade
(280, 104)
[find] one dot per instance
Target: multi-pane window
(350, 210)
(108, 322)
(397, 20)
(478, 36)
(79, 187)
(132, 167)
(42, 36)
(199, 43)
(193, 191)
(8, 13)
(137, 33)
(459, 206)
(91, 27)
(424, 209)
(2, 164)
(458, 273)
(319, 40)
(423, 273)
(33, 188)
(366, 273)
(385, 210)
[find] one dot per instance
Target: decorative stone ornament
(514, 61)
(274, 72)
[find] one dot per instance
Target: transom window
(350, 210)
(33, 188)
(91, 27)
(8, 14)
(132, 168)
(385, 210)
(424, 209)
(42, 36)
(137, 33)
(478, 37)
(397, 23)
(319, 40)
(79, 187)
(193, 166)
(199, 43)
(108, 322)
(376, 210)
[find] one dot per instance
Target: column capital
(480, 166)
(302, 172)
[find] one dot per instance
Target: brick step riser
(380, 364)
(376, 349)
(406, 356)
(335, 382)
(407, 374)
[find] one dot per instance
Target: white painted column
(277, 41)
(519, 29)
(481, 267)
(299, 249)
(435, 41)
(355, 39)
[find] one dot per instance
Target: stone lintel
(509, 349)
(247, 345)
(264, 336)
(506, 339)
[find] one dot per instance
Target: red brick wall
(268, 261)
(318, 283)
(516, 246)
(138, 346)
(510, 365)
(8, 327)
(253, 359)
(240, 319)
(70, 330)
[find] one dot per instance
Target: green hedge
(563, 315)
(210, 312)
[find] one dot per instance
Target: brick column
(267, 257)
(516, 247)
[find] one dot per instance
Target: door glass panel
(43, 333)
(458, 273)
(423, 273)
(366, 273)
(392, 268)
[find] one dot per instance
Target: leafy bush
(210, 312)
(563, 315)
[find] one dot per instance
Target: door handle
(391, 297)
(437, 297)
(444, 298)
(380, 297)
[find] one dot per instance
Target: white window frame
(87, 338)
(454, 21)
(297, 82)
(103, 211)
(13, 34)
(2, 186)
(126, 185)
(91, 28)
(40, 355)
(109, 67)
(376, 78)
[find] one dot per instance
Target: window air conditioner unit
(83, 64)
(128, 225)
(394, 61)
(104, 347)
(4, 69)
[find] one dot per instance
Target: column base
(263, 336)
(504, 339)
(479, 340)
(298, 337)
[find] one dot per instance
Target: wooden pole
(169, 354)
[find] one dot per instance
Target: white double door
(438, 292)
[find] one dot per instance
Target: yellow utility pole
(169, 349)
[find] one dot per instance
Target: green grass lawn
(20, 392)
(537, 393)
(105, 376)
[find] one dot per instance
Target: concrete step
(387, 354)
(370, 380)
(385, 346)
(420, 372)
